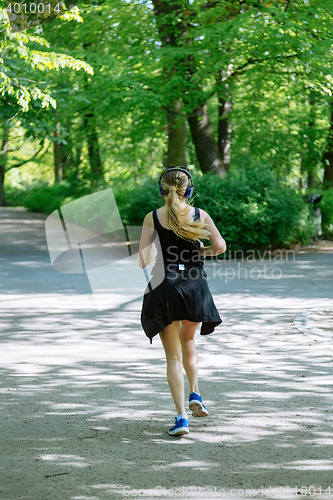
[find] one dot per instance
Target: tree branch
(11, 118)
(17, 165)
(253, 61)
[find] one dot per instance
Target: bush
(45, 198)
(15, 196)
(253, 211)
(41, 197)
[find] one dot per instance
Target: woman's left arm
(146, 240)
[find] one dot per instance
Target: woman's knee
(171, 344)
(173, 353)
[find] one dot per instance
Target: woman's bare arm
(146, 240)
(218, 244)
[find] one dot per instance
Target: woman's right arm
(146, 240)
(218, 244)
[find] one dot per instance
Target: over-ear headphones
(189, 190)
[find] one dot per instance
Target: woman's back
(163, 218)
(176, 252)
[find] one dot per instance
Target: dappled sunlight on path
(85, 405)
(81, 391)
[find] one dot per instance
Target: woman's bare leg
(173, 353)
(190, 357)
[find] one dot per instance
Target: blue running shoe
(180, 428)
(196, 406)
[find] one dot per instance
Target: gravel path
(85, 405)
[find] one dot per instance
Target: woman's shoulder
(148, 220)
(203, 214)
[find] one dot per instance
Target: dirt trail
(85, 405)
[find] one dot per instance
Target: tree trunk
(57, 146)
(328, 163)
(303, 183)
(176, 119)
(309, 158)
(224, 131)
(3, 162)
(328, 156)
(3, 202)
(66, 158)
(168, 31)
(176, 135)
(63, 154)
(77, 157)
(204, 141)
(95, 161)
(311, 179)
(90, 130)
(173, 26)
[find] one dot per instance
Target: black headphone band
(179, 169)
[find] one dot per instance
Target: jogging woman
(178, 299)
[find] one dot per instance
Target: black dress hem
(207, 326)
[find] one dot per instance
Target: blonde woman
(175, 305)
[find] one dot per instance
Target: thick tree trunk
(204, 141)
(95, 161)
(176, 154)
(63, 154)
(328, 156)
(164, 9)
(173, 25)
(176, 119)
(3, 162)
(224, 131)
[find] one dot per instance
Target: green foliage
(273, 61)
(253, 211)
(22, 62)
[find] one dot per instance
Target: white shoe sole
(197, 409)
(179, 432)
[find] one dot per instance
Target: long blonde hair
(174, 183)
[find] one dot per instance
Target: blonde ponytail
(174, 185)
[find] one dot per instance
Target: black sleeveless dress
(181, 291)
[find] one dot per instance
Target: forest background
(111, 92)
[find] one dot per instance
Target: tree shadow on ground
(85, 405)
(85, 412)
